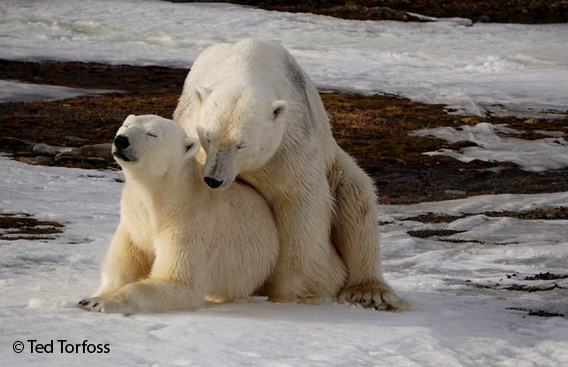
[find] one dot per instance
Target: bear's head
(240, 127)
(151, 145)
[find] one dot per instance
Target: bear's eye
(241, 146)
(153, 135)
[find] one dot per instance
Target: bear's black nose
(121, 142)
(212, 183)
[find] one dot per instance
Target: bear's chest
(141, 224)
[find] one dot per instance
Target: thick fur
(259, 117)
(178, 240)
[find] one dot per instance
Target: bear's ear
(278, 108)
(191, 146)
(129, 118)
(201, 93)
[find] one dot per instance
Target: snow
(531, 155)
(457, 321)
(457, 21)
(504, 69)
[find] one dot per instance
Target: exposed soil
(374, 129)
(425, 233)
(546, 284)
(531, 289)
(538, 313)
(22, 226)
(546, 276)
(538, 213)
(499, 11)
(543, 313)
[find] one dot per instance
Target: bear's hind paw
(377, 296)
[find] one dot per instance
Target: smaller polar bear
(178, 240)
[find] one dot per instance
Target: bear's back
(222, 61)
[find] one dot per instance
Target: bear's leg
(355, 234)
(145, 296)
(124, 263)
(308, 268)
(176, 282)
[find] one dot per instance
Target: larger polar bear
(260, 119)
(178, 240)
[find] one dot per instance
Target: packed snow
(504, 69)
(461, 278)
(494, 143)
(462, 317)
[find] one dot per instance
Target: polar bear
(260, 118)
(178, 240)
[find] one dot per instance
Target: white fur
(177, 240)
(260, 118)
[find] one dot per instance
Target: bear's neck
(168, 191)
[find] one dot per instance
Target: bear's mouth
(120, 155)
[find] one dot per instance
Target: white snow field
(498, 68)
(462, 317)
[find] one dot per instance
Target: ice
(503, 69)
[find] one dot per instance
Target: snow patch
(531, 155)
(50, 303)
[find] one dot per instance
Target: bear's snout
(121, 142)
(212, 183)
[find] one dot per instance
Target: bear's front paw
(376, 295)
(91, 304)
(98, 304)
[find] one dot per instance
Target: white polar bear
(178, 240)
(260, 118)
